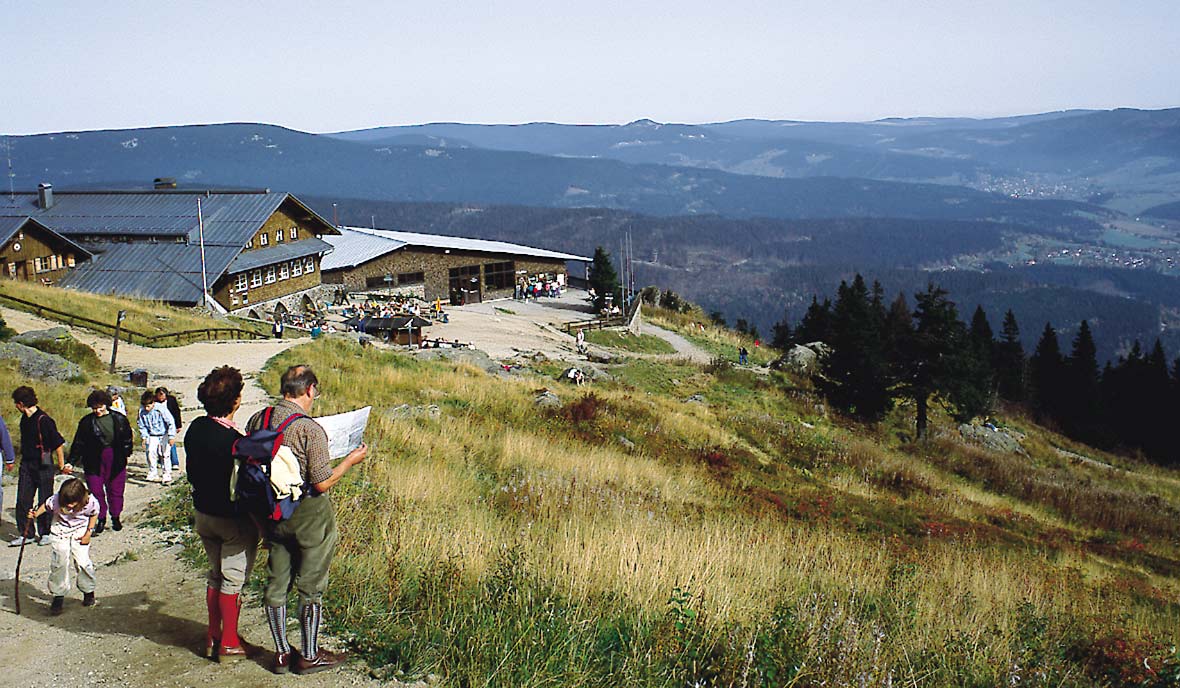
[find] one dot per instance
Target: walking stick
(19, 558)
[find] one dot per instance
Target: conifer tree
(1046, 372)
(1156, 429)
(1081, 397)
(781, 334)
(816, 325)
(856, 373)
(983, 347)
(604, 280)
(1010, 363)
(932, 355)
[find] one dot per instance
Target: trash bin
(138, 377)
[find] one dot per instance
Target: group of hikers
(301, 542)
(536, 289)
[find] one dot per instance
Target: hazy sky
(343, 65)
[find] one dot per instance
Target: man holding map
(301, 547)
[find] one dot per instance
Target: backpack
(261, 462)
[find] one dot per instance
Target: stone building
(256, 252)
(30, 251)
(432, 266)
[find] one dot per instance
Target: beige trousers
(69, 557)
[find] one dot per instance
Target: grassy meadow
(624, 340)
(631, 537)
(145, 317)
(722, 342)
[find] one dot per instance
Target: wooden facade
(35, 253)
(239, 290)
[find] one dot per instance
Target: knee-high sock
(309, 622)
(214, 612)
(277, 618)
(228, 604)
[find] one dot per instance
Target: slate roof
(358, 245)
(248, 260)
(10, 225)
(168, 269)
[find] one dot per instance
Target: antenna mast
(11, 174)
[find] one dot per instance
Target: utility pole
(204, 276)
(115, 344)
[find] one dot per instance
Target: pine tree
(604, 280)
(932, 356)
(1156, 432)
(816, 325)
(856, 373)
(781, 334)
(1081, 397)
(983, 348)
(1046, 373)
(1010, 363)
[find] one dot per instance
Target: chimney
(45, 195)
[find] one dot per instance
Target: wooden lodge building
(432, 266)
(261, 254)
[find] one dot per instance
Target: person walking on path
(74, 512)
(163, 396)
(41, 452)
(230, 538)
(302, 546)
(7, 455)
(158, 433)
(117, 403)
(743, 356)
(102, 444)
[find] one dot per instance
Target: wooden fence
(131, 336)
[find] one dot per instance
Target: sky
(335, 66)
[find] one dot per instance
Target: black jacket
(173, 408)
(87, 446)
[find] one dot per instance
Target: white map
(346, 431)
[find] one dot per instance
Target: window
(37, 265)
(52, 262)
(270, 275)
(465, 279)
(296, 267)
(294, 233)
(284, 271)
(407, 278)
(12, 269)
(377, 282)
(233, 299)
(309, 265)
(263, 239)
(278, 236)
(245, 298)
(70, 261)
(500, 275)
(256, 278)
(240, 282)
(250, 244)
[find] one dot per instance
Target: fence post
(115, 343)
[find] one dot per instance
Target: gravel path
(684, 348)
(149, 624)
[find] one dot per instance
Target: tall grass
(728, 544)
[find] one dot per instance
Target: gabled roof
(10, 225)
(358, 245)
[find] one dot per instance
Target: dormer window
(263, 239)
(250, 244)
(278, 236)
(294, 233)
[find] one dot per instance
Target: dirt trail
(684, 348)
(150, 621)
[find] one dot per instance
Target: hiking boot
(58, 604)
(43, 541)
(88, 599)
(100, 526)
(323, 661)
(282, 663)
(116, 524)
(22, 541)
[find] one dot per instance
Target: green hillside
(640, 535)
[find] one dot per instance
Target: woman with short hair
(102, 443)
(230, 538)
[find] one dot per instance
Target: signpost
(115, 344)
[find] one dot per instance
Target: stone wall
(297, 302)
(435, 264)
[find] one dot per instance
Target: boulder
(431, 411)
(38, 364)
(996, 440)
(472, 357)
(53, 333)
(804, 359)
(547, 399)
(599, 356)
(627, 444)
(695, 399)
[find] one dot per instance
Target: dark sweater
(89, 441)
(209, 448)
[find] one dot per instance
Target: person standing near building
(277, 328)
(102, 443)
(158, 433)
(301, 547)
(163, 396)
(41, 454)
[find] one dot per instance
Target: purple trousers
(107, 488)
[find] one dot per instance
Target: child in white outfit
(75, 513)
(159, 434)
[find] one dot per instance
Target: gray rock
(472, 357)
(547, 399)
(51, 334)
(995, 440)
(695, 399)
(598, 356)
(406, 411)
(804, 359)
(38, 364)
(596, 374)
(627, 444)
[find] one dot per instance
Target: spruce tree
(604, 280)
(1046, 373)
(932, 356)
(816, 325)
(781, 334)
(983, 349)
(856, 373)
(1081, 407)
(1156, 430)
(1010, 362)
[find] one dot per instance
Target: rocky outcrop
(431, 411)
(996, 440)
(803, 359)
(31, 337)
(547, 399)
(35, 363)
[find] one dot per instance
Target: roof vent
(164, 183)
(45, 195)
